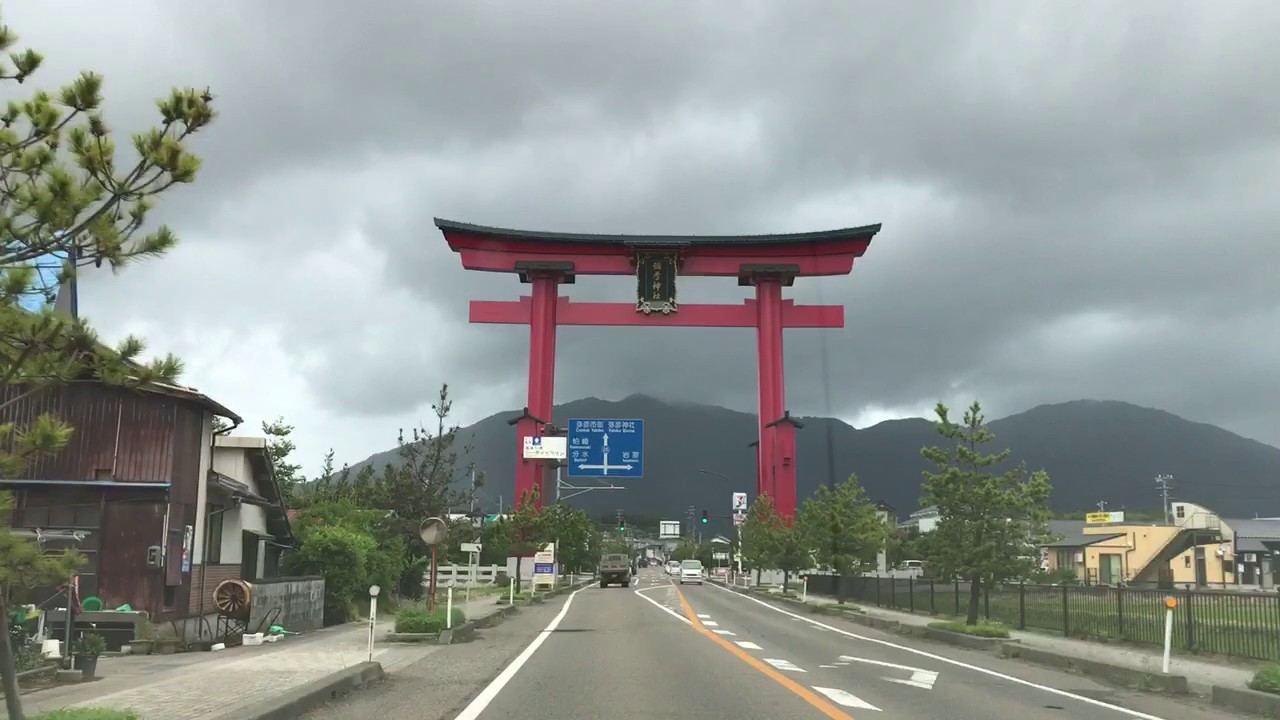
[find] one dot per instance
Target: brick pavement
(211, 685)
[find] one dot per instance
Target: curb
(1246, 700)
(1118, 674)
(295, 702)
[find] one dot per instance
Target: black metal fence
(1236, 624)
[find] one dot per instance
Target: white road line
(922, 679)
(703, 616)
(747, 645)
(711, 623)
(662, 607)
(723, 632)
(949, 661)
(785, 665)
(828, 667)
(487, 695)
(846, 699)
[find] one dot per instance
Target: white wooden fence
(463, 575)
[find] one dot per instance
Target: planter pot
(87, 665)
(141, 647)
(166, 647)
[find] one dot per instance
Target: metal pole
(448, 610)
(1168, 638)
(373, 619)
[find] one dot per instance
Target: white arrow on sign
(920, 677)
(605, 466)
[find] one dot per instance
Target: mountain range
(1093, 450)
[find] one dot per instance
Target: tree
(279, 448)
(571, 530)
(421, 485)
(759, 541)
(842, 527)
(792, 553)
(988, 524)
(65, 201)
(529, 530)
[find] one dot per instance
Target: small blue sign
(606, 448)
(544, 568)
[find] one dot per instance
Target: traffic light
(622, 526)
(704, 517)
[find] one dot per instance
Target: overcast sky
(1078, 199)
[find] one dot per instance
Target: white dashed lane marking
(711, 623)
(747, 645)
(703, 616)
(723, 632)
(784, 665)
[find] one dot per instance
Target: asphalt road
(658, 650)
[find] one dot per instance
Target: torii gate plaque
(546, 260)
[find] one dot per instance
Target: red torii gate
(546, 260)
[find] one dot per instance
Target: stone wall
(300, 599)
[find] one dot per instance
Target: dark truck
(615, 568)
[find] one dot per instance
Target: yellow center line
(799, 690)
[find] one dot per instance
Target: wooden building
(133, 492)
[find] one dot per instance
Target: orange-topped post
(768, 263)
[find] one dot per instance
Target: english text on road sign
(544, 569)
(606, 448)
(540, 447)
(739, 501)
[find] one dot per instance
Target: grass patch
(1267, 679)
(520, 597)
(416, 619)
(982, 629)
(86, 714)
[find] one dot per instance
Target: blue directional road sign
(606, 448)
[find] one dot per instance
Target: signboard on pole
(1102, 518)
(545, 447)
(606, 448)
(544, 565)
(739, 518)
(739, 502)
(669, 529)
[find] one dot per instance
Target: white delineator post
(373, 615)
(1169, 603)
(804, 589)
(448, 610)
(511, 593)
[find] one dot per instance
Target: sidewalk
(212, 685)
(1201, 673)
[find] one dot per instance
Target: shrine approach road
(661, 650)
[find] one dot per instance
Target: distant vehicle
(615, 568)
(673, 567)
(691, 571)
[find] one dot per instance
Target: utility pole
(1162, 483)
(1102, 506)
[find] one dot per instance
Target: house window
(213, 550)
(1067, 558)
(1180, 512)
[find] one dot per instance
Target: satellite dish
(433, 531)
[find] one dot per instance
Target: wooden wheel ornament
(232, 598)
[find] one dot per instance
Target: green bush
(341, 556)
(1267, 679)
(982, 629)
(86, 714)
(416, 619)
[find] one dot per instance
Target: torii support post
(768, 262)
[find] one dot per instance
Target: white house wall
(234, 463)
